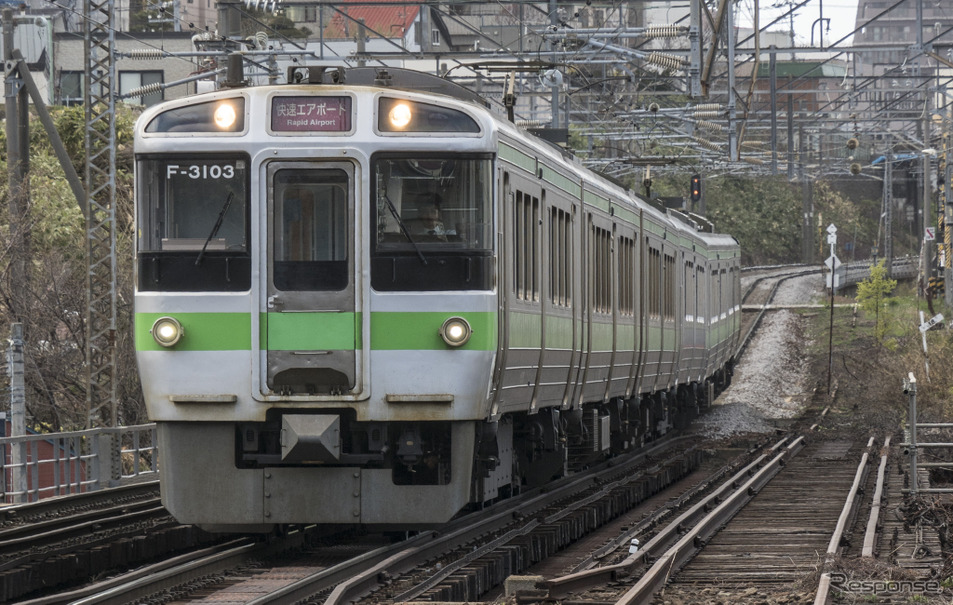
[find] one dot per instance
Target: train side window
(668, 288)
(690, 290)
(560, 259)
(526, 246)
(654, 302)
(600, 267)
(701, 315)
(627, 274)
(721, 294)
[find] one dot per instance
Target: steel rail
(438, 577)
(874, 519)
(571, 508)
(652, 520)
(58, 529)
(347, 582)
(754, 283)
(850, 507)
(746, 339)
(20, 513)
(599, 576)
(86, 529)
(150, 579)
(693, 540)
(850, 504)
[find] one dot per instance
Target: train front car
(315, 307)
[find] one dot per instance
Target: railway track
(760, 289)
(60, 542)
(783, 536)
(772, 528)
(541, 522)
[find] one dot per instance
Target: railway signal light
(696, 191)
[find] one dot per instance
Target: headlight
(400, 115)
(456, 331)
(167, 331)
(224, 116)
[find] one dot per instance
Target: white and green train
(364, 298)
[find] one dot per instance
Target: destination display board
(310, 114)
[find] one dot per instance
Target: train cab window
(432, 222)
(193, 223)
(311, 233)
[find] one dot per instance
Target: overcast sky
(840, 13)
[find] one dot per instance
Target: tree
(873, 293)
(54, 326)
(856, 217)
(762, 213)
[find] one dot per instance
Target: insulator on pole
(146, 53)
(709, 125)
(665, 31)
(144, 90)
(707, 144)
(751, 160)
(665, 60)
(708, 110)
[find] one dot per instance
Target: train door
(312, 323)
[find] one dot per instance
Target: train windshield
(193, 222)
(432, 222)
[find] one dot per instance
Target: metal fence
(57, 464)
(848, 274)
(913, 444)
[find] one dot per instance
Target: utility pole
(948, 206)
(18, 457)
(773, 81)
(732, 110)
(888, 214)
(100, 114)
(807, 204)
(18, 166)
(554, 95)
(926, 206)
(695, 43)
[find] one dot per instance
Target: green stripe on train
(316, 331)
(421, 331)
(311, 331)
(203, 331)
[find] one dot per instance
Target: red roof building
(380, 21)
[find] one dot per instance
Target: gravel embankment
(771, 381)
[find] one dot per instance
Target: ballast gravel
(771, 382)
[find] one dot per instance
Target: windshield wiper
(403, 228)
(218, 225)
